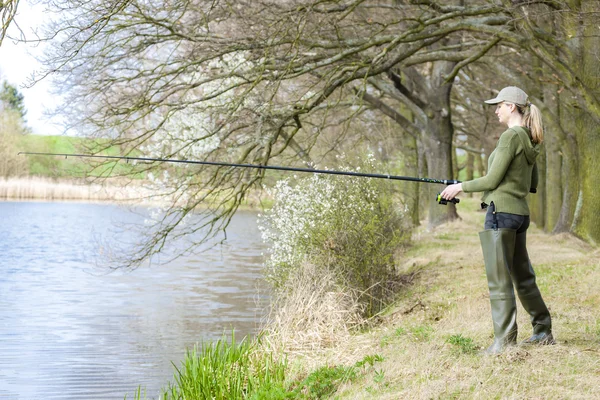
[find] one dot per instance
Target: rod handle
(443, 202)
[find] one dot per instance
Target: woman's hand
(452, 191)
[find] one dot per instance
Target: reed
(48, 189)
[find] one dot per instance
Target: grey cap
(511, 94)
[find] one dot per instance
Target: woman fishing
(512, 174)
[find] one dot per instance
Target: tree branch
(408, 126)
(476, 56)
(8, 10)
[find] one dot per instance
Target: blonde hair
(532, 117)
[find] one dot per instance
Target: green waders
(507, 262)
(529, 294)
(498, 247)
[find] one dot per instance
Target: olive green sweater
(512, 173)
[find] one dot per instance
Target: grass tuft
(227, 370)
(463, 344)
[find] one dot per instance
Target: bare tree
(550, 48)
(563, 38)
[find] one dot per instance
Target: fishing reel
(442, 201)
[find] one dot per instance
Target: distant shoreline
(130, 192)
(48, 189)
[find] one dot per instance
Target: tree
(12, 99)
(564, 37)
(550, 48)
(12, 127)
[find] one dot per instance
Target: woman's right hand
(451, 191)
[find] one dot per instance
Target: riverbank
(430, 339)
(427, 344)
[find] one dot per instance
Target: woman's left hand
(452, 191)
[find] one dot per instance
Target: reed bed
(37, 188)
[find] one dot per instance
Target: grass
(426, 346)
(227, 370)
(463, 344)
(430, 339)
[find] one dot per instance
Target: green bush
(324, 381)
(348, 226)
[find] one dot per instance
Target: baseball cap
(512, 94)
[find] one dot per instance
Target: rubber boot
(529, 294)
(498, 253)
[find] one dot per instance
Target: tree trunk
(470, 170)
(587, 211)
(570, 175)
(437, 141)
(411, 168)
(553, 181)
(537, 201)
(423, 188)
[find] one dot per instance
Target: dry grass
(451, 299)
(115, 190)
(46, 189)
(314, 316)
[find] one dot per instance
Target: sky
(18, 63)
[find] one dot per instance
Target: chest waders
(507, 263)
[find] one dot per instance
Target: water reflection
(68, 332)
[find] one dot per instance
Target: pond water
(71, 329)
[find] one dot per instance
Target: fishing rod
(439, 199)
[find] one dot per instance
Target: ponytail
(532, 117)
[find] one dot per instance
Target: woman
(512, 174)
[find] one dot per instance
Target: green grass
(226, 370)
(463, 344)
(431, 338)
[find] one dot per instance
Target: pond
(72, 329)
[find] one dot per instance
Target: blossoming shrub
(346, 226)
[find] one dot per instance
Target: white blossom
(315, 204)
